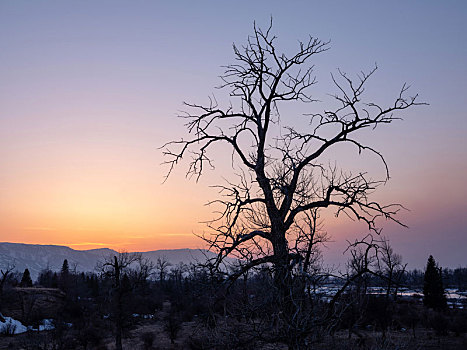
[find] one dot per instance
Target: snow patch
(12, 326)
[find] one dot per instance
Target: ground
(394, 340)
(228, 332)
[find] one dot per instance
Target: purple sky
(90, 89)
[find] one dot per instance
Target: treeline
(97, 305)
(452, 278)
(127, 291)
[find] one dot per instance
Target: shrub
(172, 326)
(458, 324)
(439, 322)
(8, 329)
(148, 339)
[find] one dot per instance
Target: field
(153, 331)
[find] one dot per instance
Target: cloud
(175, 234)
(85, 243)
(39, 229)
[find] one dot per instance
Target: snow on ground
(46, 325)
(456, 298)
(12, 326)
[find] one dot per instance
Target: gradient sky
(90, 89)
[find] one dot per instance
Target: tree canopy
(284, 178)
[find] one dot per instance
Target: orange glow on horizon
(129, 243)
(90, 92)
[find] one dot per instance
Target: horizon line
(106, 247)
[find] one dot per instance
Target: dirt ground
(154, 328)
(373, 341)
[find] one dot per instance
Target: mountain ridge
(37, 257)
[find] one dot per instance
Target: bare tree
(115, 267)
(5, 275)
(283, 172)
(390, 267)
(363, 256)
(162, 268)
(143, 270)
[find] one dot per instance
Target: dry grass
(425, 340)
(48, 300)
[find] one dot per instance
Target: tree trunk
(118, 306)
(288, 296)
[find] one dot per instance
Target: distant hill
(37, 257)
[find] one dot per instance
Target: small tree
(162, 268)
(116, 268)
(172, 325)
(390, 268)
(433, 290)
(26, 280)
(65, 268)
(5, 276)
(65, 277)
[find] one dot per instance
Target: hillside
(37, 257)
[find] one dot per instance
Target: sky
(90, 90)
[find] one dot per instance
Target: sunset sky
(89, 91)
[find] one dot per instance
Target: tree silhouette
(116, 268)
(5, 276)
(26, 280)
(65, 277)
(281, 165)
(433, 290)
(65, 269)
(162, 267)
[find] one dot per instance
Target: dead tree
(143, 269)
(162, 267)
(5, 275)
(390, 268)
(280, 160)
(115, 267)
